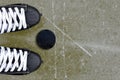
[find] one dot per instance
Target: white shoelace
(10, 19)
(12, 60)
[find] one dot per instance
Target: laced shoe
(16, 61)
(16, 17)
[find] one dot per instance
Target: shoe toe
(32, 16)
(34, 61)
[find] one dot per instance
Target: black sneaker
(16, 17)
(15, 61)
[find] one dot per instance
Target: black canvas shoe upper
(15, 61)
(18, 17)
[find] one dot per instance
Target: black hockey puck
(46, 39)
